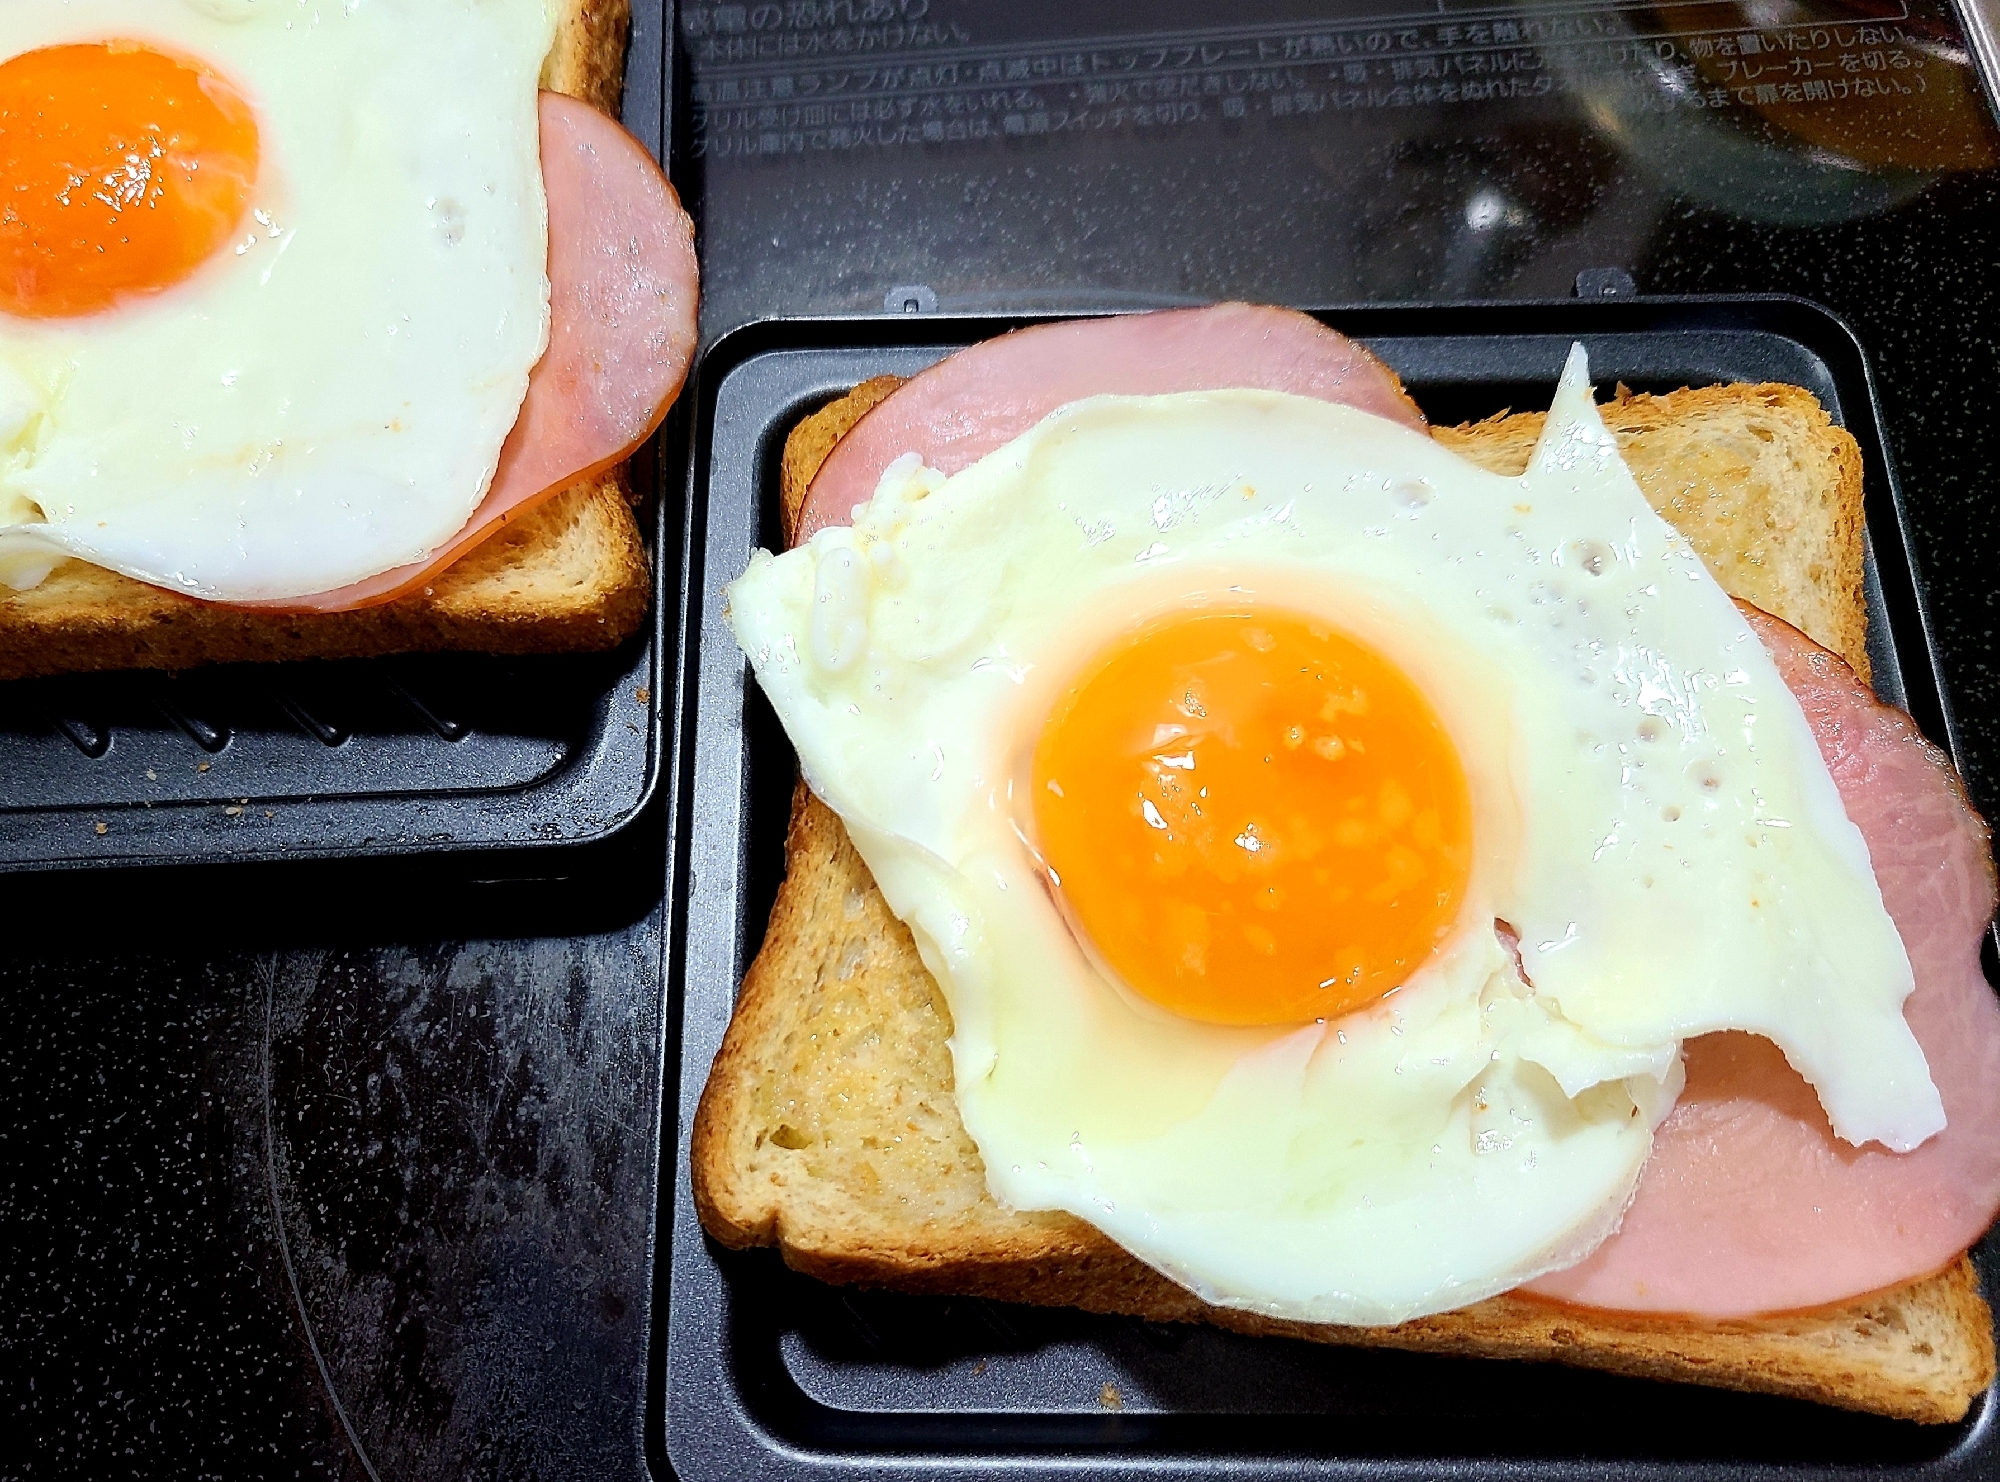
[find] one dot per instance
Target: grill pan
(765, 1373)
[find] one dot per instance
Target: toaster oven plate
(769, 1373)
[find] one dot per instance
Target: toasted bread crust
(809, 443)
(568, 575)
(571, 576)
(828, 1128)
(587, 60)
(1918, 1352)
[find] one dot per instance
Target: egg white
(326, 399)
(1650, 812)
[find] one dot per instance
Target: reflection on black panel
(1112, 156)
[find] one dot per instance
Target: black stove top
(352, 1172)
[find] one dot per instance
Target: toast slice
(828, 1127)
(570, 575)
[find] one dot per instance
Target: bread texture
(568, 575)
(828, 1127)
(588, 58)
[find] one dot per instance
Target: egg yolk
(122, 170)
(1252, 818)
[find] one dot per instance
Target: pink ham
(623, 292)
(963, 408)
(1749, 1204)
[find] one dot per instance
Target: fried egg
(273, 274)
(1324, 845)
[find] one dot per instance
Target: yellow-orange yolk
(1252, 817)
(122, 170)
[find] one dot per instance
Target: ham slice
(623, 292)
(1748, 1203)
(984, 397)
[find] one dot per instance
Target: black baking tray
(360, 758)
(765, 1373)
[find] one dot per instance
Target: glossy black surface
(290, 1181)
(445, 1096)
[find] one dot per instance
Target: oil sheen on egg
(272, 279)
(1324, 845)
